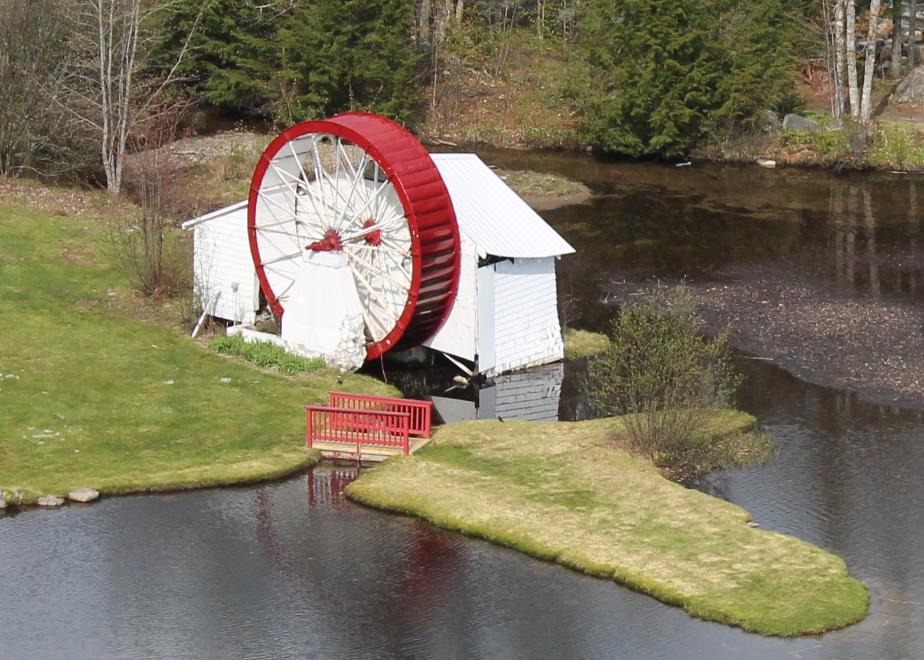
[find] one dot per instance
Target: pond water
(292, 569)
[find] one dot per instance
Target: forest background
(86, 80)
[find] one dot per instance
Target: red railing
(421, 412)
(357, 427)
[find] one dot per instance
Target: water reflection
(531, 394)
(858, 234)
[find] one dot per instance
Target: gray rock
(83, 495)
(792, 122)
(911, 88)
(50, 500)
(769, 163)
(835, 124)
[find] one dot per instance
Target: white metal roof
(211, 215)
(492, 215)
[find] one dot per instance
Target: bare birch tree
(112, 86)
(834, 15)
(853, 87)
(896, 69)
(869, 68)
(912, 34)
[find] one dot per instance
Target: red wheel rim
(431, 236)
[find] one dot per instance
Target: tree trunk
(423, 22)
(441, 19)
(853, 87)
(912, 31)
(869, 69)
(896, 69)
(840, 63)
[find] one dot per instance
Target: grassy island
(563, 492)
(90, 396)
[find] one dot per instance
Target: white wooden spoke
(284, 257)
(285, 292)
(345, 215)
(318, 169)
(279, 232)
(283, 209)
(307, 184)
(377, 298)
(368, 265)
(390, 312)
(286, 177)
(267, 236)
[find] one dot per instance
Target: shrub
(265, 355)
(664, 374)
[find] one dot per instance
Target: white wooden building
(506, 312)
(505, 315)
(224, 279)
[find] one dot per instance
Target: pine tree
(234, 62)
(669, 71)
(351, 54)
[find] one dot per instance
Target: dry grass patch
(584, 343)
(563, 492)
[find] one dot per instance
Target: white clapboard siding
(225, 280)
(526, 327)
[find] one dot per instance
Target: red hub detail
(373, 237)
(330, 243)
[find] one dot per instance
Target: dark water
(291, 569)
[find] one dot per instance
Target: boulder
(83, 495)
(769, 163)
(911, 88)
(50, 500)
(793, 122)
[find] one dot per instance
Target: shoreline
(570, 493)
(818, 335)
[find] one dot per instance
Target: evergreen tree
(668, 71)
(234, 60)
(346, 54)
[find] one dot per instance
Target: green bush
(663, 373)
(265, 355)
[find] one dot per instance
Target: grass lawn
(564, 493)
(91, 397)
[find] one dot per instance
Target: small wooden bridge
(372, 428)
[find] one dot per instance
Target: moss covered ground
(567, 493)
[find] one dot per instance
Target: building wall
(225, 280)
(526, 328)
